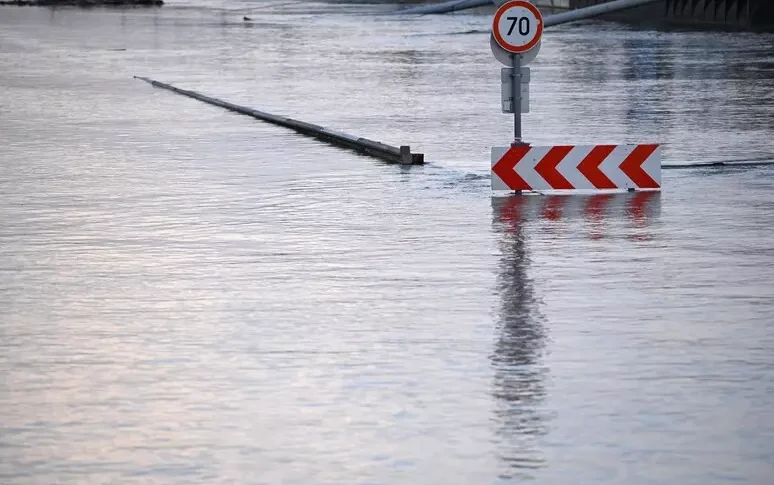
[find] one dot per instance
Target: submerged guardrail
(362, 145)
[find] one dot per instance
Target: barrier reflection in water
(519, 375)
(599, 212)
(520, 372)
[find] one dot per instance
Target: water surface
(188, 295)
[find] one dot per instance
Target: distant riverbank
(83, 3)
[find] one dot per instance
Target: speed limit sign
(517, 26)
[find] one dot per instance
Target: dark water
(191, 296)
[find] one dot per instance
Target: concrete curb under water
(372, 148)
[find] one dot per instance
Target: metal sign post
(516, 31)
(516, 94)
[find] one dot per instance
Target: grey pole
(570, 16)
(593, 11)
(516, 93)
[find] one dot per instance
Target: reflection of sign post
(517, 28)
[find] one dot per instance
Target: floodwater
(188, 295)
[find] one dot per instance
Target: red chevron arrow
(589, 167)
(632, 167)
(546, 167)
(505, 167)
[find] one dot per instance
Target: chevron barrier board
(576, 167)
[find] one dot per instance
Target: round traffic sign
(517, 26)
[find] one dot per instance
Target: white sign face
(507, 98)
(504, 56)
(517, 26)
(506, 83)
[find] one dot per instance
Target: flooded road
(188, 295)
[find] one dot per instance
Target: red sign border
(500, 11)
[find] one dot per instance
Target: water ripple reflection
(520, 373)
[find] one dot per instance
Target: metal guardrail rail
(372, 148)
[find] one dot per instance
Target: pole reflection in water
(519, 375)
(519, 371)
